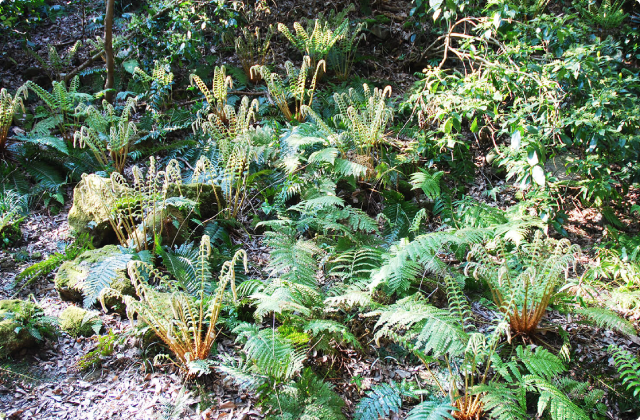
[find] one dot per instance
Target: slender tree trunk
(108, 49)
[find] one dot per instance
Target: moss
(89, 214)
(78, 322)
(11, 312)
(203, 194)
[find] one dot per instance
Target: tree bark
(108, 49)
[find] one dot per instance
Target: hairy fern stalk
(186, 322)
(294, 87)
(107, 135)
(523, 282)
(9, 105)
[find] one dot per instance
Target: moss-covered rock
(79, 323)
(13, 315)
(205, 195)
(93, 199)
(69, 280)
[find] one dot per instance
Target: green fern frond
(606, 318)
(101, 275)
(552, 400)
(628, 367)
(381, 401)
(428, 182)
(433, 409)
(425, 327)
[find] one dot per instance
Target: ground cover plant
(320, 210)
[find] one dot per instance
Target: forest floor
(128, 385)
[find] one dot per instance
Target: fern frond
(433, 409)
(606, 318)
(101, 275)
(558, 405)
(628, 367)
(381, 401)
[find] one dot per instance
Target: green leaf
(538, 175)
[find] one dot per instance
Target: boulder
(93, 199)
(69, 279)
(78, 322)
(13, 314)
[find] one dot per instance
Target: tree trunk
(108, 49)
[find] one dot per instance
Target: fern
(101, 275)
(628, 367)
(523, 283)
(252, 50)
(433, 409)
(608, 15)
(293, 87)
(107, 135)
(61, 102)
(606, 318)
(9, 106)
(185, 322)
(56, 65)
(308, 398)
(422, 326)
(271, 354)
(381, 401)
(552, 400)
(292, 260)
(429, 183)
(317, 39)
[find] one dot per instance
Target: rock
(79, 323)
(69, 279)
(14, 314)
(93, 199)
